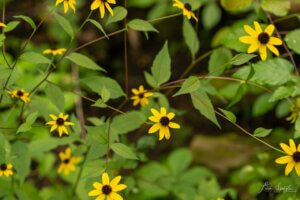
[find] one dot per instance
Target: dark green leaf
(27, 19)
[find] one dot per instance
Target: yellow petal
(253, 47)
(111, 1)
(141, 89)
(297, 167)
(250, 31)
(270, 29)
(60, 131)
(58, 2)
(105, 179)
(171, 115)
(289, 168)
(174, 125)
(53, 128)
(148, 94)
(68, 123)
(47, 51)
(161, 132)
(155, 113)
(115, 181)
(53, 117)
(263, 52)
(292, 145)
(286, 149)
(163, 111)
(275, 41)
(101, 197)
(167, 133)
(66, 6)
(109, 9)
(95, 5)
(97, 185)
(9, 166)
(284, 159)
(102, 9)
(257, 27)
(154, 119)
(248, 39)
(119, 187)
(94, 193)
(154, 128)
(273, 49)
(115, 196)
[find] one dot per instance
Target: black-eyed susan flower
(295, 111)
(6, 170)
(292, 159)
(2, 25)
(140, 96)
(67, 3)
(55, 52)
(67, 162)
(59, 123)
(20, 94)
(162, 122)
(186, 9)
(261, 40)
(102, 4)
(107, 189)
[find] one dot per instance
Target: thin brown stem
(126, 52)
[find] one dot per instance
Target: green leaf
(190, 37)
(281, 92)
(210, 20)
(56, 96)
(97, 83)
(123, 151)
(150, 80)
(229, 37)
(27, 19)
(190, 85)
(100, 104)
(98, 25)
(293, 40)
(27, 126)
(4, 149)
(152, 171)
(84, 61)
(161, 68)
(119, 14)
(275, 71)
(128, 122)
(297, 128)
(105, 94)
(203, 104)
(11, 26)
(277, 7)
(21, 160)
(230, 116)
(236, 5)
(262, 105)
(219, 61)
(141, 25)
(65, 24)
(36, 58)
(179, 160)
(262, 132)
(242, 58)
(97, 133)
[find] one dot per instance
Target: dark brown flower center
(263, 38)
(141, 95)
(3, 167)
(60, 121)
(296, 156)
(20, 93)
(106, 189)
(66, 161)
(188, 6)
(164, 121)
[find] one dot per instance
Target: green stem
(165, 17)
(286, 17)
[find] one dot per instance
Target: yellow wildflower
(2, 25)
(54, 52)
(59, 123)
(6, 170)
(67, 3)
(186, 9)
(68, 162)
(140, 96)
(20, 94)
(101, 4)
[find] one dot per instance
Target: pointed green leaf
(27, 19)
(98, 25)
(84, 61)
(119, 14)
(190, 85)
(33, 57)
(123, 151)
(65, 24)
(190, 37)
(262, 132)
(141, 25)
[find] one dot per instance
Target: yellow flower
(292, 159)
(20, 94)
(68, 162)
(261, 40)
(162, 123)
(101, 4)
(107, 189)
(67, 3)
(186, 9)
(6, 170)
(60, 123)
(295, 111)
(140, 96)
(2, 25)
(54, 52)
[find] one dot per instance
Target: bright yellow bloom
(295, 111)
(261, 40)
(101, 4)
(67, 3)
(186, 9)
(60, 123)
(68, 162)
(140, 96)
(6, 170)
(20, 94)
(2, 25)
(162, 123)
(107, 189)
(54, 52)
(292, 159)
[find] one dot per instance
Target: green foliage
(190, 37)
(141, 25)
(293, 40)
(84, 61)
(277, 7)
(121, 13)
